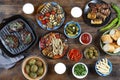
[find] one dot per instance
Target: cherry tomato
(43, 22)
(53, 12)
(47, 20)
(47, 14)
(41, 17)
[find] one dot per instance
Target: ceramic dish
(91, 52)
(80, 70)
(53, 45)
(72, 29)
(103, 67)
(34, 68)
(96, 22)
(50, 16)
(110, 46)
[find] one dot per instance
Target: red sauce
(85, 38)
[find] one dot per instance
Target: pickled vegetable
(27, 69)
(32, 61)
(34, 68)
(38, 63)
(33, 75)
(40, 71)
(72, 29)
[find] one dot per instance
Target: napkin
(7, 62)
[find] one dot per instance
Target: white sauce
(28, 8)
(60, 68)
(76, 12)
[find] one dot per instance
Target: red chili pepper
(74, 55)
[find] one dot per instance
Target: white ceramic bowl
(28, 8)
(90, 38)
(79, 77)
(76, 12)
(60, 68)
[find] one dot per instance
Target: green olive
(96, 54)
(34, 68)
(27, 69)
(31, 61)
(33, 75)
(39, 63)
(92, 48)
(40, 71)
(91, 51)
(93, 57)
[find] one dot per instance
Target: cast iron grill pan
(6, 31)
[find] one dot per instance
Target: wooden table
(12, 7)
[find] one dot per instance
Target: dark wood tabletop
(12, 7)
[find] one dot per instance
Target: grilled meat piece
(12, 41)
(26, 36)
(16, 26)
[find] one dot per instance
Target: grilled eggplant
(12, 41)
(26, 36)
(16, 26)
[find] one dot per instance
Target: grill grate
(22, 47)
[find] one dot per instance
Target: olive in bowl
(72, 29)
(91, 52)
(79, 70)
(34, 68)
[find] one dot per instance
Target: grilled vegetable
(12, 41)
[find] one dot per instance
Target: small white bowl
(76, 12)
(28, 8)
(79, 77)
(90, 37)
(60, 68)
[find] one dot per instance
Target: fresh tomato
(47, 14)
(47, 20)
(57, 36)
(41, 17)
(43, 22)
(53, 12)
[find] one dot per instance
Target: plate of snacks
(50, 16)
(103, 67)
(97, 13)
(53, 45)
(110, 42)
